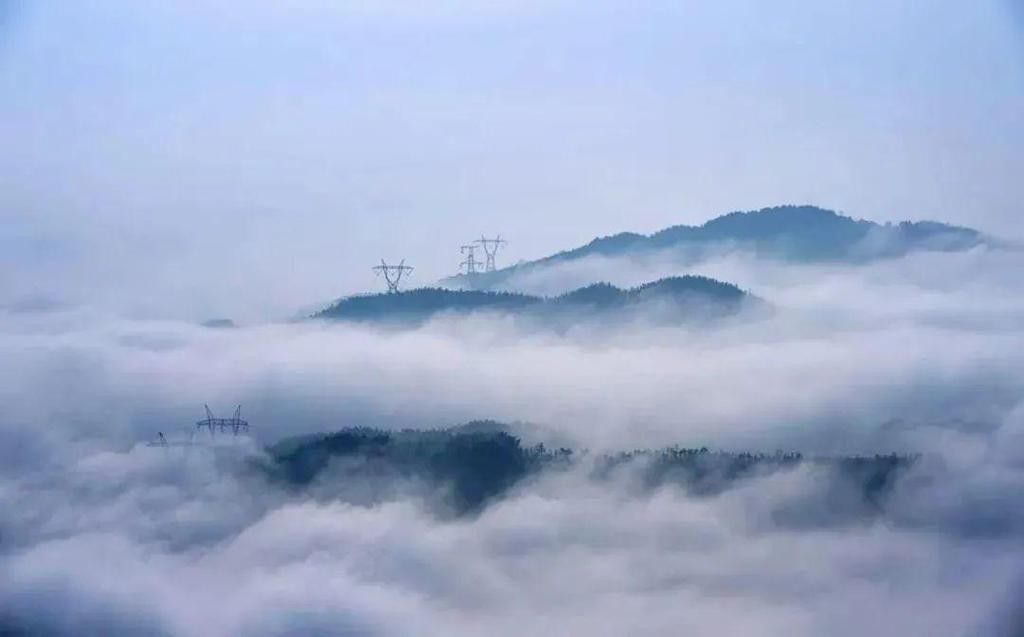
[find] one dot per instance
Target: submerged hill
(792, 233)
(674, 299)
(464, 468)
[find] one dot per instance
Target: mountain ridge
(797, 233)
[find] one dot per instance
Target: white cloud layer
(102, 535)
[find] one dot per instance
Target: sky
(253, 159)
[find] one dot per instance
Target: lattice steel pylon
(235, 424)
(490, 247)
(162, 441)
(392, 273)
(470, 263)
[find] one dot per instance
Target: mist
(918, 339)
(916, 355)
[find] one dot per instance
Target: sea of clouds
(101, 534)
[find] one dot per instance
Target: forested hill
(792, 233)
(667, 300)
(470, 466)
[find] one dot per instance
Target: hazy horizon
(205, 159)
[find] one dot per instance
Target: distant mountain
(791, 233)
(219, 323)
(673, 299)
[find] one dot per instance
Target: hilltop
(791, 233)
(674, 299)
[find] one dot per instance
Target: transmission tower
(490, 247)
(470, 263)
(392, 273)
(185, 442)
(235, 424)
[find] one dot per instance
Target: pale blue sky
(195, 158)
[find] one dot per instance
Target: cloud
(100, 533)
(565, 556)
(877, 352)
